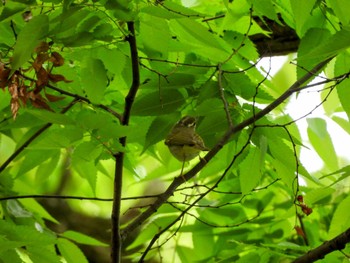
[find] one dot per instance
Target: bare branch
(337, 243)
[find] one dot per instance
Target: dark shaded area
(282, 40)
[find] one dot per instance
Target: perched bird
(183, 141)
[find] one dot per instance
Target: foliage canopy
(92, 88)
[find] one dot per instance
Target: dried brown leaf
(14, 107)
(39, 60)
(42, 79)
(13, 89)
(56, 59)
(53, 98)
(42, 47)
(299, 231)
(57, 77)
(4, 75)
(38, 101)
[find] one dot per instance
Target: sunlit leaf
(70, 252)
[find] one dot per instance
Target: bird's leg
(182, 169)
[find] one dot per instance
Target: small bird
(183, 141)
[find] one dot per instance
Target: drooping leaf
(94, 79)
(341, 218)
(322, 142)
(82, 239)
(158, 130)
(302, 10)
(28, 39)
(341, 67)
(250, 170)
(70, 252)
(51, 117)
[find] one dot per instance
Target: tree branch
(116, 242)
(337, 243)
(191, 173)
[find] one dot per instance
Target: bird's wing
(179, 139)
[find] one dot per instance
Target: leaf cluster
(106, 81)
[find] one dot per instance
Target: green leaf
(264, 8)
(342, 65)
(240, 85)
(342, 123)
(42, 255)
(158, 11)
(103, 32)
(344, 172)
(37, 208)
(148, 231)
(67, 22)
(86, 170)
(158, 130)
(34, 158)
(322, 142)
(94, 79)
(200, 40)
(113, 59)
(89, 23)
(51, 117)
(331, 47)
(11, 9)
(70, 252)
(319, 196)
(25, 120)
(156, 103)
(27, 235)
(302, 10)
(313, 38)
(341, 218)
(203, 242)
(176, 80)
(155, 34)
(83, 239)
(340, 8)
(87, 151)
(28, 39)
(250, 170)
(9, 256)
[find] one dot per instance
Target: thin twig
(222, 96)
(14, 197)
